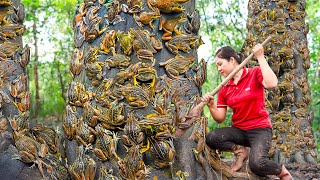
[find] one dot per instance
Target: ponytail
(227, 52)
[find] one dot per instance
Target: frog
(6, 71)
(166, 6)
(12, 31)
(201, 74)
(78, 36)
(4, 12)
(113, 11)
(46, 135)
(132, 166)
(145, 44)
(84, 133)
(106, 144)
(8, 49)
(193, 24)
(30, 151)
(92, 30)
(145, 74)
(78, 167)
(91, 14)
(108, 42)
(132, 6)
(146, 18)
(171, 25)
(136, 96)
(20, 122)
(119, 61)
(111, 117)
(105, 173)
(18, 86)
(103, 91)
(178, 65)
(70, 122)
(287, 99)
(183, 42)
(25, 56)
(88, 114)
(125, 40)
(94, 72)
(76, 62)
(133, 133)
(80, 13)
(296, 25)
(163, 151)
(77, 94)
(24, 104)
(5, 3)
(297, 15)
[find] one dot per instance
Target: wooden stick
(195, 111)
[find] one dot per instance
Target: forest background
(50, 37)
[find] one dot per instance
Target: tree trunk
(125, 90)
(288, 56)
(37, 103)
(14, 95)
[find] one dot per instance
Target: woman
(244, 94)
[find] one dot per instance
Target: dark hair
(227, 52)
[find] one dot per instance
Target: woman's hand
(258, 51)
(208, 99)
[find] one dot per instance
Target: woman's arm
(270, 80)
(218, 114)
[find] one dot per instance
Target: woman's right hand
(208, 99)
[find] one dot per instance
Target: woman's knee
(212, 140)
(258, 166)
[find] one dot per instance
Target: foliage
(224, 26)
(313, 18)
(55, 44)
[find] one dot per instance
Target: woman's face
(225, 67)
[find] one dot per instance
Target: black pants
(259, 141)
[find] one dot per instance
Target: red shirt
(246, 99)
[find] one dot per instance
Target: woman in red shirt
(251, 127)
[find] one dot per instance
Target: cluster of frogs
(117, 98)
(13, 57)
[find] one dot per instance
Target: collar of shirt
(244, 74)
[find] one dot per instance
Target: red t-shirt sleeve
(258, 74)
(222, 102)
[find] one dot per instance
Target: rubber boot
(241, 154)
(285, 175)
